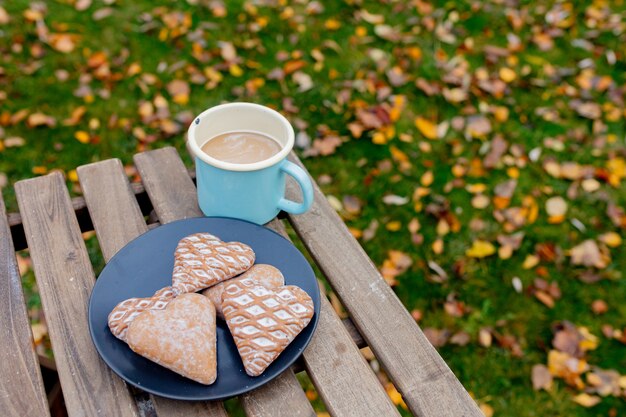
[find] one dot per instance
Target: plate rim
(242, 390)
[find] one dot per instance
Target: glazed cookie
(259, 274)
(264, 321)
(202, 260)
(182, 337)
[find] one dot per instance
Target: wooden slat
(168, 184)
(65, 278)
(425, 381)
(342, 376)
(117, 219)
(21, 387)
(282, 397)
(173, 196)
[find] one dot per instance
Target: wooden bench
(49, 224)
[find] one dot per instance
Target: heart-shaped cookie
(182, 337)
(125, 312)
(264, 321)
(259, 274)
(202, 260)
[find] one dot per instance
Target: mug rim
(230, 166)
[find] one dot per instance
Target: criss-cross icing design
(202, 260)
(125, 312)
(264, 321)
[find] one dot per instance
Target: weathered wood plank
(280, 398)
(65, 278)
(425, 381)
(341, 375)
(168, 184)
(173, 196)
(117, 219)
(21, 387)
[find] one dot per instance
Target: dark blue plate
(145, 265)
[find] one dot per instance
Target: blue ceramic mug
(254, 191)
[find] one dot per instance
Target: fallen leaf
(426, 127)
(460, 338)
(39, 331)
(395, 200)
(545, 298)
(611, 239)
(541, 377)
(40, 119)
(480, 249)
(556, 207)
(437, 337)
(484, 337)
(477, 127)
(62, 42)
(4, 16)
(587, 400)
(304, 81)
(588, 254)
(599, 307)
(14, 142)
(179, 90)
(486, 409)
(507, 74)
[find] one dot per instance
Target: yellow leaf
(501, 113)
(437, 246)
(512, 172)
(235, 70)
(181, 99)
(617, 170)
(530, 262)
(586, 400)
(476, 188)
(393, 226)
(427, 178)
(379, 138)
(332, 24)
(426, 127)
(82, 136)
(40, 170)
(480, 249)
(507, 74)
(589, 342)
(395, 396)
(72, 176)
(361, 31)
(611, 239)
(443, 228)
(487, 410)
(39, 331)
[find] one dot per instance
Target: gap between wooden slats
(173, 196)
(65, 278)
(425, 381)
(22, 393)
(117, 220)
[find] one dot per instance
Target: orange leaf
(426, 127)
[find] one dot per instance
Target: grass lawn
(475, 149)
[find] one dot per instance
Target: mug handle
(304, 182)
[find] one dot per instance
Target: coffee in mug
(241, 147)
